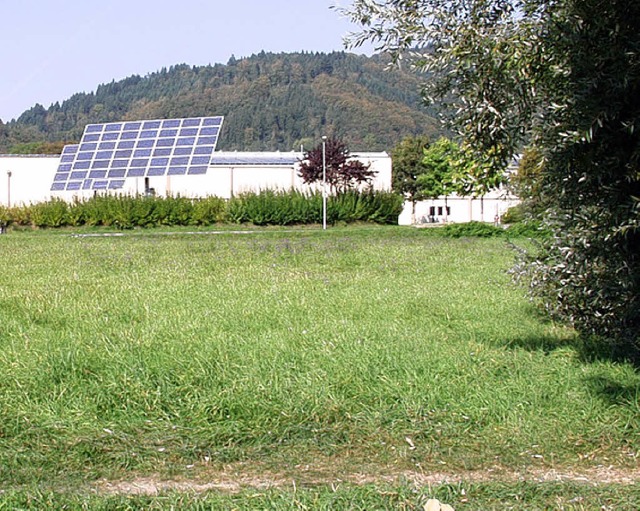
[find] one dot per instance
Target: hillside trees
(342, 172)
(269, 102)
(37, 148)
(564, 74)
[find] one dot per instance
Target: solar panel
(110, 153)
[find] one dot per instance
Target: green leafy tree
(441, 163)
(449, 170)
(526, 183)
(565, 75)
(408, 165)
(342, 172)
(445, 168)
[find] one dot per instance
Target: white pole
(324, 183)
(8, 188)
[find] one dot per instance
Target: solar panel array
(110, 153)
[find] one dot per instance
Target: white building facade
(28, 179)
(487, 208)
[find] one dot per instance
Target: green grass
(390, 348)
(463, 496)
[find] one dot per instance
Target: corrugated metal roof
(275, 159)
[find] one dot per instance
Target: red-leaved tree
(343, 173)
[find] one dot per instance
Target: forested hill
(270, 102)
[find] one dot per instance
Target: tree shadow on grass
(592, 351)
(545, 343)
(588, 350)
(613, 392)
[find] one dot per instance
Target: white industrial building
(487, 208)
(170, 157)
(26, 179)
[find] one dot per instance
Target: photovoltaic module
(110, 153)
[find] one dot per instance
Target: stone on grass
(432, 505)
(435, 505)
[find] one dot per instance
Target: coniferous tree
(279, 98)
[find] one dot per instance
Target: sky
(52, 49)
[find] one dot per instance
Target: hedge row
(265, 208)
(485, 230)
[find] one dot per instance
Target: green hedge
(265, 208)
(486, 230)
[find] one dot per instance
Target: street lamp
(324, 182)
(8, 188)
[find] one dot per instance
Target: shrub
(293, 207)
(5, 216)
(52, 213)
(174, 211)
(530, 229)
(472, 229)
(92, 212)
(276, 208)
(75, 213)
(514, 214)
(269, 207)
(208, 211)
(20, 215)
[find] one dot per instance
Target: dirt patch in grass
(239, 477)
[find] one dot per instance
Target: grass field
(296, 356)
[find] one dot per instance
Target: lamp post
(324, 182)
(8, 188)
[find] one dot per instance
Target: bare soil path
(238, 477)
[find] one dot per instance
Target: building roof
(273, 159)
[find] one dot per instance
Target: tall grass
(389, 346)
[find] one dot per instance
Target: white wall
(30, 181)
(254, 179)
(382, 164)
(32, 176)
(461, 209)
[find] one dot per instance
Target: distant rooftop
(29, 155)
(275, 159)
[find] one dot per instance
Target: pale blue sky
(51, 49)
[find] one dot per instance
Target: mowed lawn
(389, 348)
